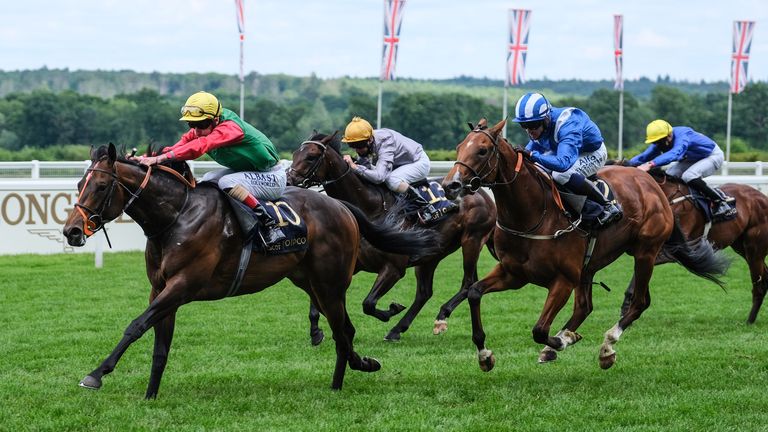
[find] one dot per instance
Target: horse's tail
(388, 236)
(697, 256)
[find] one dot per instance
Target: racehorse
(537, 242)
(193, 248)
(318, 161)
(747, 234)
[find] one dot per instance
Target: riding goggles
(532, 124)
(202, 124)
(194, 111)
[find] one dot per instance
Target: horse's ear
(471, 126)
(482, 123)
(498, 128)
(112, 153)
(330, 137)
(93, 150)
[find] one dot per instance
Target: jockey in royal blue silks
(696, 154)
(569, 144)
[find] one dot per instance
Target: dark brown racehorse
(193, 249)
(318, 161)
(537, 243)
(747, 234)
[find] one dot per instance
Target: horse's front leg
(582, 307)
(559, 292)
(425, 275)
(156, 311)
(163, 338)
(386, 279)
(497, 280)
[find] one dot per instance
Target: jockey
(697, 157)
(569, 144)
(252, 172)
(397, 160)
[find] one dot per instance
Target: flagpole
(242, 81)
(728, 133)
(378, 108)
(621, 121)
(504, 112)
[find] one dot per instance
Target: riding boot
(721, 209)
(270, 232)
(423, 209)
(611, 211)
(269, 228)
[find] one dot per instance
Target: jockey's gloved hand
(534, 155)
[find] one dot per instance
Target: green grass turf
(245, 363)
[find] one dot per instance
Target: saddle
(580, 205)
(289, 222)
(704, 204)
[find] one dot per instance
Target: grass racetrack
(690, 363)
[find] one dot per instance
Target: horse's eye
(101, 187)
(482, 152)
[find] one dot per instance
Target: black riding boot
(269, 229)
(610, 212)
(722, 209)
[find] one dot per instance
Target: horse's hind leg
(641, 300)
(471, 253)
(316, 335)
(163, 337)
(425, 275)
(754, 255)
(386, 279)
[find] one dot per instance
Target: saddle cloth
(438, 206)
(289, 221)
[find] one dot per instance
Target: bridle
(93, 218)
(310, 177)
(479, 177)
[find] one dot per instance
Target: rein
(94, 219)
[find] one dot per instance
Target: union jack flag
(240, 18)
(393, 19)
(742, 42)
(618, 51)
(517, 49)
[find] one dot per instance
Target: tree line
(434, 114)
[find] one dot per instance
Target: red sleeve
(190, 146)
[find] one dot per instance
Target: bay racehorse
(318, 161)
(537, 242)
(747, 233)
(194, 243)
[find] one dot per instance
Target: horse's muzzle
(75, 236)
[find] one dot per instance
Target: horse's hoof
(486, 359)
(607, 361)
(392, 337)
(395, 308)
(573, 336)
(547, 355)
(90, 382)
(317, 338)
(441, 326)
(373, 364)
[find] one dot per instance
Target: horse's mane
(102, 152)
(335, 143)
(659, 173)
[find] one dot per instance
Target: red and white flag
(618, 50)
(393, 18)
(517, 49)
(742, 42)
(240, 18)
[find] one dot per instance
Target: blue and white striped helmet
(531, 107)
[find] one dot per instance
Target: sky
(684, 39)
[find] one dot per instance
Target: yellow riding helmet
(200, 106)
(657, 130)
(357, 130)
